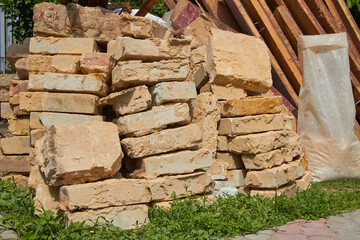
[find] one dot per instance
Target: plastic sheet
(326, 114)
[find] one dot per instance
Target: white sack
(326, 115)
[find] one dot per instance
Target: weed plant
(188, 218)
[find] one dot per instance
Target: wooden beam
(357, 130)
(248, 27)
(170, 3)
(146, 8)
(288, 25)
(284, 57)
(344, 20)
(221, 12)
(304, 17)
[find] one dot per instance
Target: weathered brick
(43, 45)
(251, 124)
(166, 92)
(222, 143)
(15, 164)
(173, 163)
(250, 106)
(259, 143)
(74, 83)
(157, 118)
(304, 183)
(247, 66)
(97, 63)
(21, 69)
(36, 135)
(168, 140)
(58, 102)
(128, 101)
(287, 190)
(16, 145)
(227, 91)
(236, 176)
(55, 64)
(154, 49)
(133, 73)
(45, 120)
(19, 126)
(18, 86)
(107, 193)
(229, 160)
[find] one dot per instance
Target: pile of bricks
(119, 120)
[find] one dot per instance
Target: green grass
(189, 218)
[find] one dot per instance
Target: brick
(173, 163)
(55, 64)
(275, 177)
(74, 83)
(205, 112)
(15, 52)
(304, 183)
(5, 80)
(227, 91)
(51, 46)
(200, 76)
(36, 135)
(101, 194)
(198, 55)
(133, 73)
(157, 118)
(18, 86)
(58, 102)
(250, 106)
(6, 111)
(124, 217)
(154, 49)
(248, 66)
(14, 100)
(166, 92)
(258, 143)
(4, 95)
(45, 120)
(162, 188)
(168, 140)
(21, 69)
(16, 145)
(65, 163)
(15, 164)
(19, 127)
(236, 176)
(97, 63)
(128, 101)
(222, 143)
(229, 160)
(251, 124)
(287, 190)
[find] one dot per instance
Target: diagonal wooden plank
(284, 57)
(304, 17)
(171, 4)
(248, 27)
(357, 130)
(288, 25)
(146, 8)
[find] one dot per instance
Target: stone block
(186, 137)
(133, 73)
(250, 106)
(6, 111)
(227, 91)
(229, 160)
(96, 154)
(205, 112)
(287, 190)
(54, 64)
(15, 145)
(200, 76)
(14, 100)
(236, 176)
(4, 86)
(173, 163)
(239, 59)
(198, 55)
(251, 124)
(259, 143)
(304, 183)
(15, 164)
(4, 95)
(45, 120)
(59, 102)
(166, 92)
(157, 118)
(18, 86)
(162, 188)
(21, 69)
(19, 179)
(124, 217)
(19, 127)
(51, 45)
(107, 193)
(36, 135)
(73, 83)
(154, 49)
(47, 197)
(275, 177)
(128, 101)
(222, 144)
(97, 63)
(15, 52)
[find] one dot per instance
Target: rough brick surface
(227, 91)
(97, 63)
(168, 140)
(18, 86)
(157, 118)
(16, 145)
(236, 176)
(15, 164)
(229, 160)
(55, 64)
(19, 127)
